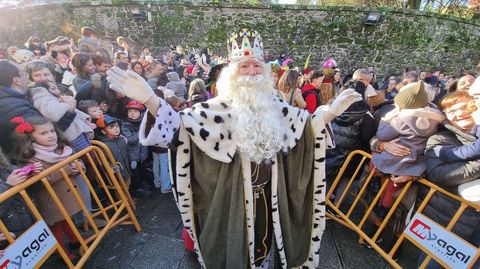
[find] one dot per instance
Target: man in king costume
(247, 168)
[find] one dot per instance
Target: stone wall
(400, 39)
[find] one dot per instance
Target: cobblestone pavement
(159, 244)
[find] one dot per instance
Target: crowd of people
(55, 97)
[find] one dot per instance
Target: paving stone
(352, 254)
(159, 244)
(189, 261)
(328, 254)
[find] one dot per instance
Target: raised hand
(130, 84)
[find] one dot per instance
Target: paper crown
(246, 49)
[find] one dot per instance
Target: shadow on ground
(159, 244)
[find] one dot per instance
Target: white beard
(256, 125)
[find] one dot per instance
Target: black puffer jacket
(136, 151)
(118, 147)
(13, 212)
(94, 89)
(352, 130)
(12, 104)
(449, 176)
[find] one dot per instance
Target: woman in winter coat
(458, 131)
(52, 105)
(287, 87)
(84, 68)
(197, 92)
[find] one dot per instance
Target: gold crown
(246, 49)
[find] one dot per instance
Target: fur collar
(208, 125)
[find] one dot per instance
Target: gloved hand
(130, 84)
(370, 91)
(344, 100)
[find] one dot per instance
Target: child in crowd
(413, 121)
(110, 135)
(93, 110)
(161, 176)
(137, 153)
(53, 105)
(37, 140)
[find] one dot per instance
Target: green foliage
(276, 8)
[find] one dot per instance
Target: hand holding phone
(27, 170)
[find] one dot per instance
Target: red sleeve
(311, 103)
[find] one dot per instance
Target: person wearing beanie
(137, 153)
(110, 135)
(412, 122)
(412, 96)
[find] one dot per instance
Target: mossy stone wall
(400, 39)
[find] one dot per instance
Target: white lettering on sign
(444, 245)
(29, 249)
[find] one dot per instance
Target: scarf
(48, 154)
(91, 41)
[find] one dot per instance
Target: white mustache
(248, 81)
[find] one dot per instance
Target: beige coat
(51, 108)
(45, 203)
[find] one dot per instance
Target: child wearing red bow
(37, 140)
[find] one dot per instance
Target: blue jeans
(161, 177)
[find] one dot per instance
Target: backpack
(314, 92)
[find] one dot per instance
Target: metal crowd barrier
(354, 215)
(115, 209)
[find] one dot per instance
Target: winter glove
(133, 165)
(370, 91)
(130, 84)
(344, 100)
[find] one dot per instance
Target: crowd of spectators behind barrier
(55, 98)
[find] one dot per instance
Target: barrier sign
(29, 249)
(446, 246)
